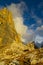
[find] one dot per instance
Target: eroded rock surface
(12, 50)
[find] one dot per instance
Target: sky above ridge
(28, 17)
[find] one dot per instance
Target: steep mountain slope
(12, 50)
(10, 43)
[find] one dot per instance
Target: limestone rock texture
(12, 50)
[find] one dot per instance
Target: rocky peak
(7, 28)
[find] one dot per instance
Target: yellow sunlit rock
(31, 46)
(12, 50)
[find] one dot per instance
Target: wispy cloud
(39, 30)
(27, 33)
(36, 18)
(32, 26)
(39, 39)
(39, 35)
(17, 12)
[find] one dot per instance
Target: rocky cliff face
(12, 50)
(7, 29)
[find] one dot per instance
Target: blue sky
(30, 13)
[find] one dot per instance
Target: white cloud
(39, 35)
(17, 12)
(29, 35)
(39, 28)
(36, 18)
(32, 26)
(39, 39)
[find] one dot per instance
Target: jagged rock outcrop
(7, 29)
(12, 50)
(10, 43)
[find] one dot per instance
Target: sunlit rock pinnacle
(7, 29)
(12, 50)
